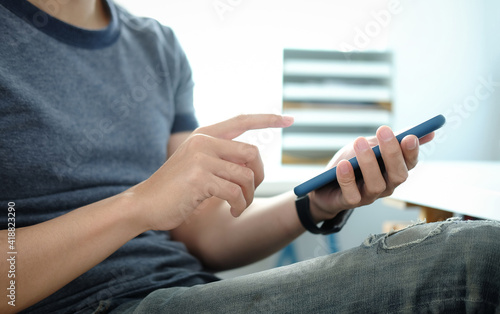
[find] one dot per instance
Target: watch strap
(302, 205)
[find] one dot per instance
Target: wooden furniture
(443, 189)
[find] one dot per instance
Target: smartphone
(329, 177)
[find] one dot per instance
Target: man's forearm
(223, 242)
(53, 253)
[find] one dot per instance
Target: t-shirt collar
(64, 32)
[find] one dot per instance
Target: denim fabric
(450, 266)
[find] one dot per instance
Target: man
(93, 102)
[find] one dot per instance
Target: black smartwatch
(304, 211)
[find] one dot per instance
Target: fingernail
(288, 119)
(412, 144)
(234, 212)
(386, 134)
(343, 168)
(362, 145)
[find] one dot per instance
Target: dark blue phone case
(329, 177)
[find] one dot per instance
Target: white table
(466, 188)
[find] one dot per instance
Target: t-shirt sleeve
(185, 118)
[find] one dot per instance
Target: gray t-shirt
(85, 115)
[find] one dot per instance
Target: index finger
(238, 125)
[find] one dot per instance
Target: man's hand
(209, 163)
(327, 202)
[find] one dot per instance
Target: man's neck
(88, 14)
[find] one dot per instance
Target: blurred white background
(446, 58)
(442, 51)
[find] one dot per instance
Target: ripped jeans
(450, 266)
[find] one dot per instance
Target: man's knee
(477, 255)
(474, 237)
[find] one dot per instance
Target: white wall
(492, 55)
(236, 54)
(444, 51)
(236, 51)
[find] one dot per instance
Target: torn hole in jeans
(411, 235)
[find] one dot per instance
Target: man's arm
(222, 241)
(53, 253)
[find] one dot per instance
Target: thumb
(238, 125)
